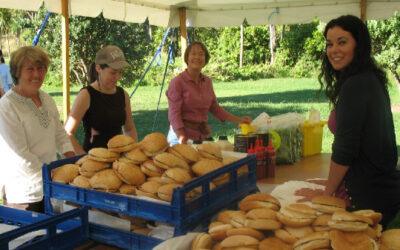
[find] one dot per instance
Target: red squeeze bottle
(259, 152)
(250, 151)
(271, 156)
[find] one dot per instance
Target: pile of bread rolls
(261, 223)
(149, 167)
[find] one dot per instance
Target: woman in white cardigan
(31, 133)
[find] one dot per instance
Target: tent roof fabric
(215, 13)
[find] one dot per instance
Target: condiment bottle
(224, 144)
(250, 151)
(260, 156)
(271, 157)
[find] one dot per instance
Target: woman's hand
(246, 119)
(69, 154)
(182, 139)
(308, 194)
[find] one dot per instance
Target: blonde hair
(32, 54)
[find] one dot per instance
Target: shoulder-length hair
(32, 54)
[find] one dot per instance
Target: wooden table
(315, 166)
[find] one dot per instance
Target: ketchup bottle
(250, 151)
(259, 152)
(271, 157)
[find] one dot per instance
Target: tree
(272, 42)
(87, 36)
(10, 24)
(385, 36)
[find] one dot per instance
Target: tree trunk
(8, 45)
(396, 78)
(78, 78)
(149, 31)
(283, 31)
(241, 45)
(272, 41)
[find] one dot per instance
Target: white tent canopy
(215, 13)
(202, 13)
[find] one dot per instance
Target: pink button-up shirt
(190, 101)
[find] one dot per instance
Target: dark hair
(331, 79)
(93, 75)
(2, 58)
(189, 48)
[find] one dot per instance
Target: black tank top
(106, 114)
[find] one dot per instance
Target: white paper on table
(177, 243)
(104, 219)
(162, 232)
(285, 192)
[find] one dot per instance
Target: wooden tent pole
(65, 57)
(363, 7)
(182, 18)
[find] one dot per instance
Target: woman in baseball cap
(102, 106)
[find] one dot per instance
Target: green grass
(273, 96)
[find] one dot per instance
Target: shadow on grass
(299, 96)
(54, 94)
(144, 119)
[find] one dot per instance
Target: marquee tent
(203, 13)
(215, 13)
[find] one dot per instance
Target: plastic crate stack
(183, 214)
(63, 231)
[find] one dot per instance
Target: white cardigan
(29, 137)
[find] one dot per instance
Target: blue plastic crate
(183, 214)
(62, 231)
(121, 239)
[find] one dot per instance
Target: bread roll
(66, 173)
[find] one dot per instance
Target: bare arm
(180, 133)
(2, 92)
(81, 105)
(69, 154)
(244, 119)
(129, 126)
(335, 177)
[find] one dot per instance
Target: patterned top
(29, 137)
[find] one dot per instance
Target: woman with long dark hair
(364, 152)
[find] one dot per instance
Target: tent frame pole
(363, 10)
(65, 58)
(184, 42)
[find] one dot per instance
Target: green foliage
(298, 53)
(87, 36)
(386, 41)
(256, 45)
(295, 39)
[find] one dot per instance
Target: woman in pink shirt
(191, 96)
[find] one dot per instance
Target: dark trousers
(34, 206)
